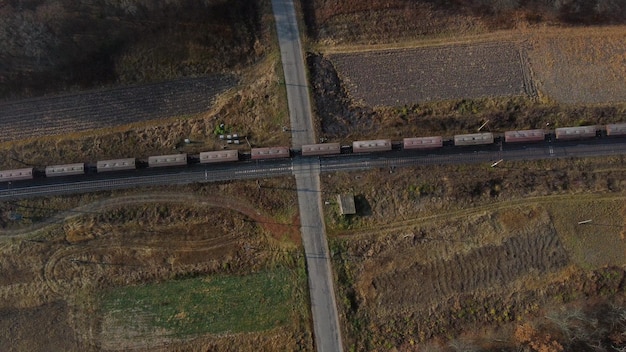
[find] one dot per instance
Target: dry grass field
(581, 66)
(439, 260)
(145, 271)
(338, 22)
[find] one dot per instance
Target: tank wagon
(473, 139)
(65, 170)
(422, 142)
(219, 156)
(269, 153)
(116, 165)
(321, 149)
(567, 133)
(378, 145)
(524, 136)
(17, 174)
(616, 129)
(167, 160)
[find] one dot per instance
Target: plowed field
(480, 268)
(106, 108)
(573, 66)
(410, 76)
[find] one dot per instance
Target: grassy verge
(218, 304)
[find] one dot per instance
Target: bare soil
(409, 76)
(54, 115)
(55, 268)
(48, 322)
(255, 109)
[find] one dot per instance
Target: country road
(326, 329)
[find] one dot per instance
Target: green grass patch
(216, 304)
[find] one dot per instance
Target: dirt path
(224, 202)
(518, 35)
(405, 224)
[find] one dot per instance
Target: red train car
(167, 160)
(567, 133)
(219, 156)
(524, 136)
(321, 149)
(616, 129)
(422, 142)
(378, 145)
(269, 153)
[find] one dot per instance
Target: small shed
(346, 204)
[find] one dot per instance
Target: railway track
(284, 167)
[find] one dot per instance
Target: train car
(269, 153)
(17, 174)
(65, 170)
(219, 156)
(167, 160)
(524, 136)
(473, 139)
(116, 165)
(321, 149)
(422, 142)
(616, 129)
(567, 133)
(378, 145)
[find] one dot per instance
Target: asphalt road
(300, 115)
(326, 329)
(322, 293)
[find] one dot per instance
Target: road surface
(326, 328)
(300, 115)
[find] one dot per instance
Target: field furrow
(488, 266)
(409, 76)
(106, 108)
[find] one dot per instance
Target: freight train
(368, 146)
